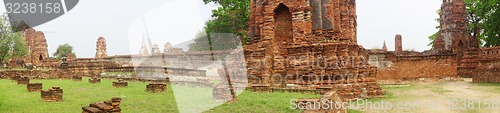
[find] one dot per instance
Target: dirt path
(438, 97)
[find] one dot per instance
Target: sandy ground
(437, 97)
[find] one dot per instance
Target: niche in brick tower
(282, 37)
(282, 26)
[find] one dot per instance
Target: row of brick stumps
(34, 87)
(120, 83)
(109, 106)
(94, 80)
(52, 95)
(156, 87)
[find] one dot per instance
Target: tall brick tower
(399, 43)
(306, 42)
(37, 45)
(454, 35)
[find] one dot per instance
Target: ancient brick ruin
(76, 78)
(156, 87)
(399, 43)
(120, 83)
(483, 65)
(155, 50)
(448, 52)
(307, 43)
(23, 80)
(37, 46)
(101, 48)
(52, 95)
(34, 87)
(94, 80)
(144, 49)
(109, 106)
(453, 34)
(455, 53)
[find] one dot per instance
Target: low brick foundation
(76, 78)
(52, 95)
(23, 80)
(109, 106)
(34, 87)
(120, 83)
(260, 88)
(156, 87)
(94, 80)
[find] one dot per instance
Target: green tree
(64, 50)
(201, 42)
(12, 44)
(230, 17)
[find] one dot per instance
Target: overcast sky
(123, 23)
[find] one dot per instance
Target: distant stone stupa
(101, 48)
(144, 48)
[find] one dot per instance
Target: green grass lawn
(16, 98)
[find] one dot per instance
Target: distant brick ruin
(144, 49)
(34, 87)
(52, 95)
(155, 50)
(94, 80)
(23, 80)
(76, 78)
(399, 43)
(440, 62)
(120, 83)
(36, 45)
(455, 53)
(101, 48)
(156, 87)
(483, 65)
(305, 43)
(109, 106)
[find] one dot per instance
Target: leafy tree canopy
(64, 50)
(12, 44)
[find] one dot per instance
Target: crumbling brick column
(156, 87)
(120, 83)
(94, 80)
(109, 106)
(399, 43)
(52, 95)
(34, 87)
(23, 80)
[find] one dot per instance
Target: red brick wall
(414, 69)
